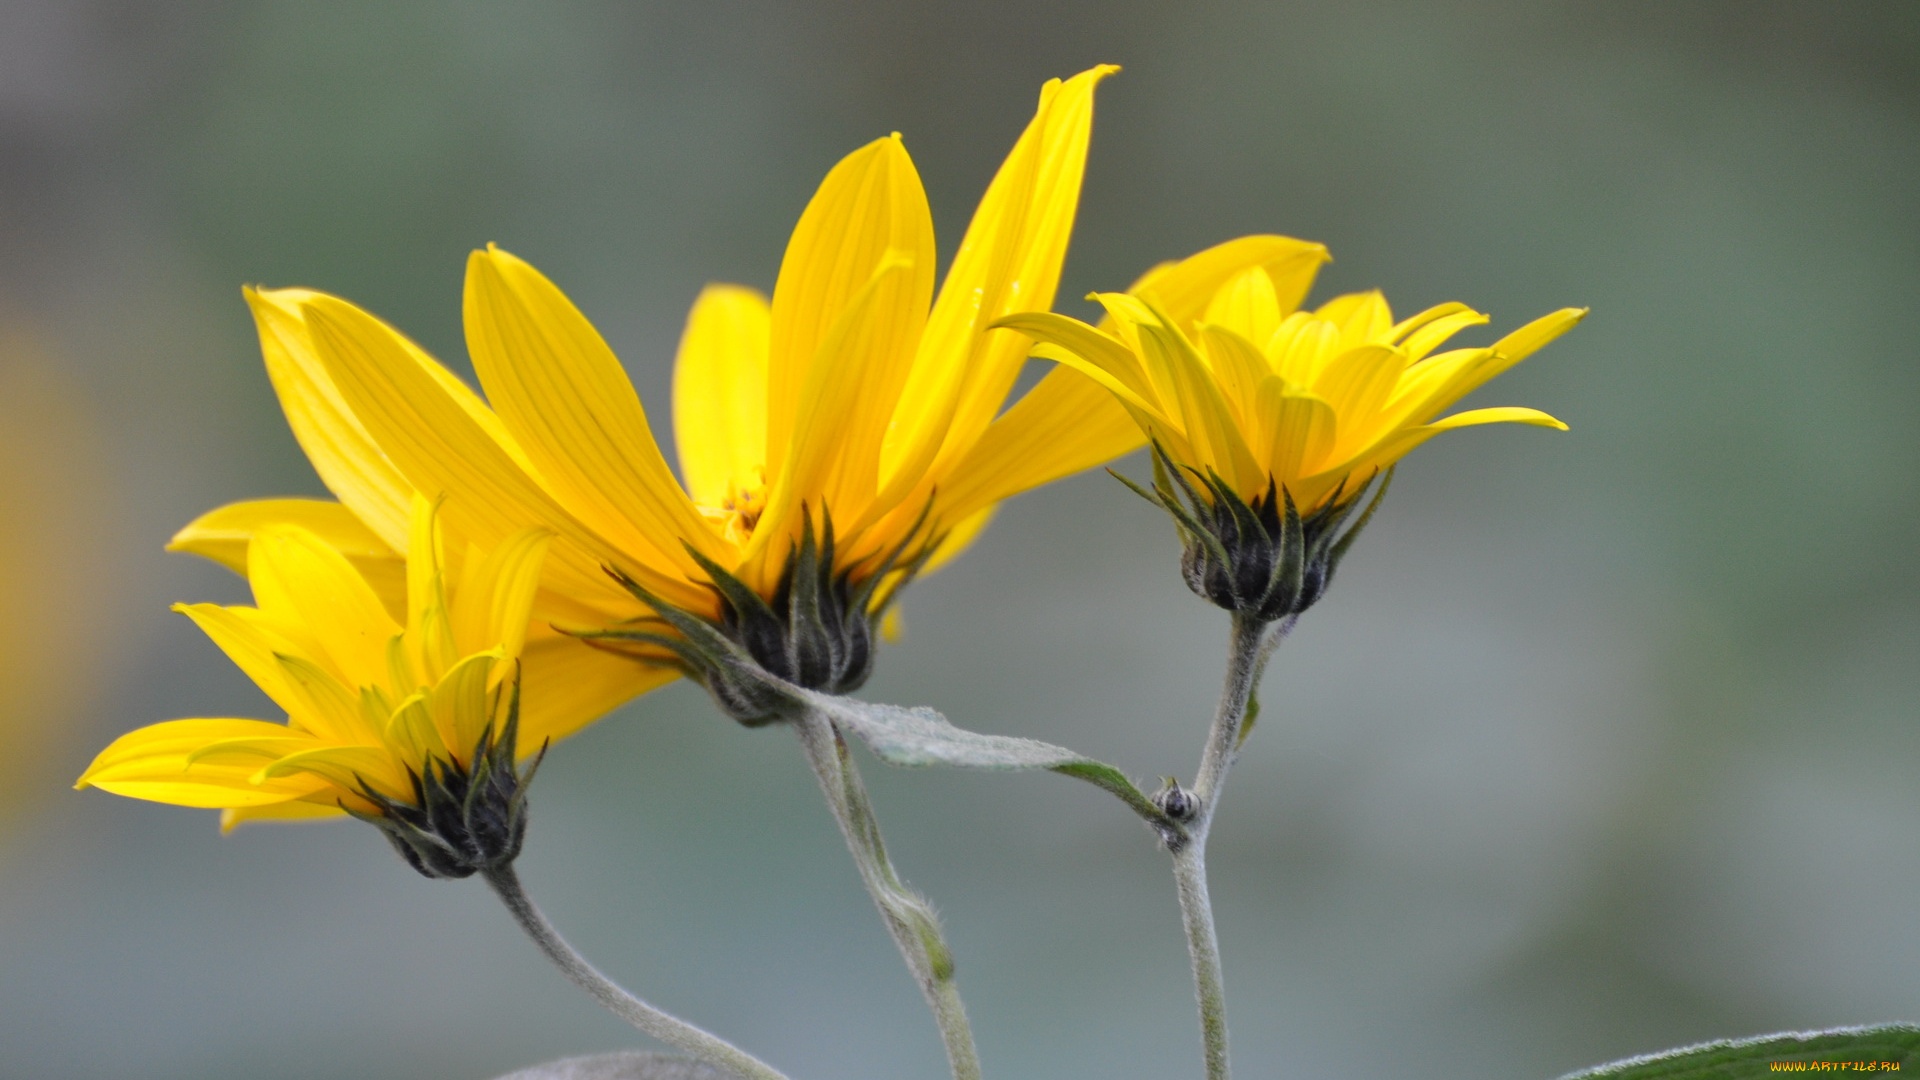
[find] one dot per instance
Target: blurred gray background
(1603, 742)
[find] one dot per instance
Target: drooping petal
(566, 399)
(349, 461)
(1094, 353)
(297, 578)
(870, 210)
(223, 534)
(151, 764)
(720, 394)
(443, 451)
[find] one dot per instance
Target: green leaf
(624, 1065)
(919, 737)
(1853, 1051)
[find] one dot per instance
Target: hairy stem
(668, 1029)
(908, 916)
(1246, 656)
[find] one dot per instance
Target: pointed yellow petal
(253, 644)
(1399, 444)
(1065, 424)
(567, 401)
(412, 733)
(151, 764)
(1094, 353)
(297, 578)
(1208, 422)
(720, 394)
(869, 211)
(443, 450)
(1009, 261)
(222, 534)
(956, 541)
(1434, 332)
(348, 460)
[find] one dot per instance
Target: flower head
(416, 726)
(856, 414)
(1270, 421)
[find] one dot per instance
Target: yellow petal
(1208, 421)
(253, 644)
(1183, 289)
(1296, 431)
(1067, 423)
(566, 684)
(1362, 317)
(1247, 305)
(297, 578)
(955, 541)
(1399, 444)
(870, 211)
(329, 710)
(462, 703)
(1239, 366)
(346, 767)
(1009, 261)
(833, 466)
(345, 455)
(293, 809)
(1357, 383)
(443, 450)
(496, 599)
(151, 764)
(1094, 353)
(1432, 334)
(720, 394)
(223, 534)
(567, 401)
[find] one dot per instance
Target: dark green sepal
(462, 820)
(816, 632)
(1261, 558)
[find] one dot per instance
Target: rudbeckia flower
(1270, 421)
(382, 718)
(857, 414)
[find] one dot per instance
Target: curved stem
(1246, 656)
(667, 1028)
(909, 917)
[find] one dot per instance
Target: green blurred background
(1603, 743)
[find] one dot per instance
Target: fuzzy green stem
(667, 1028)
(908, 916)
(1246, 655)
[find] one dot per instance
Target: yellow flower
(374, 709)
(1281, 416)
(857, 411)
